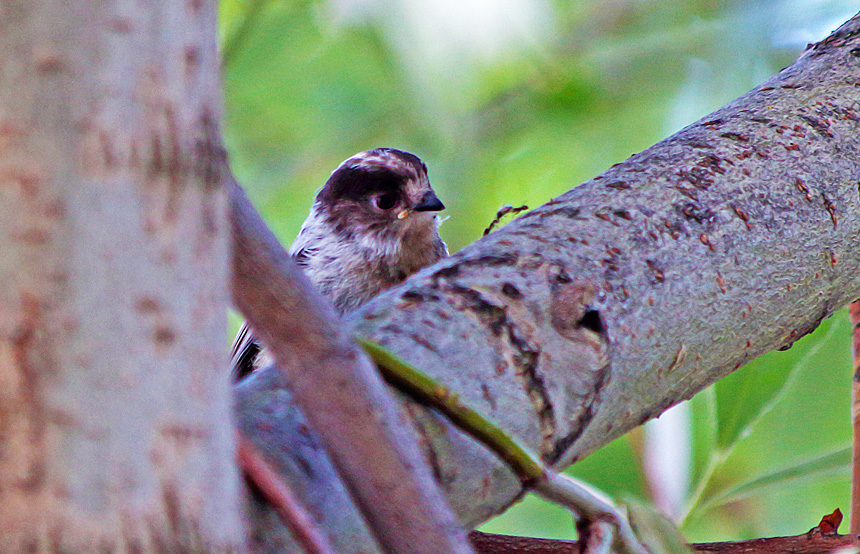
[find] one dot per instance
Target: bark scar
(591, 404)
(521, 353)
(573, 318)
(431, 456)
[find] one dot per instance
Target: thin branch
(419, 386)
(281, 498)
(489, 543)
(503, 211)
(592, 507)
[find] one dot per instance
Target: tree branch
(597, 311)
(281, 498)
(489, 543)
(116, 428)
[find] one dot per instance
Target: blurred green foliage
(516, 101)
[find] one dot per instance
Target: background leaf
(839, 461)
(655, 530)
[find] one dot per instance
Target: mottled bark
(633, 291)
(115, 431)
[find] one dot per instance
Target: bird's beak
(430, 203)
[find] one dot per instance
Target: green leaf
(743, 397)
(655, 530)
(741, 400)
(826, 463)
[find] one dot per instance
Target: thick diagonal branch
(635, 290)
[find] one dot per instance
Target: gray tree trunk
(625, 295)
(115, 429)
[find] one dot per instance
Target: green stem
(407, 378)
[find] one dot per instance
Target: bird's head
(382, 192)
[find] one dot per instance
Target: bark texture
(115, 428)
(599, 310)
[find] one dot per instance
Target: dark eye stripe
(359, 183)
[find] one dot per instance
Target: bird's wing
(245, 350)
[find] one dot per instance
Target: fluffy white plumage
(373, 224)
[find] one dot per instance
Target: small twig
(281, 498)
(592, 505)
(854, 525)
(586, 502)
(492, 543)
(503, 211)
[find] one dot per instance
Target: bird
(373, 223)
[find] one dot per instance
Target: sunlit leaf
(746, 395)
(826, 463)
(703, 409)
(798, 429)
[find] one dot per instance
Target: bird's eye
(385, 201)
